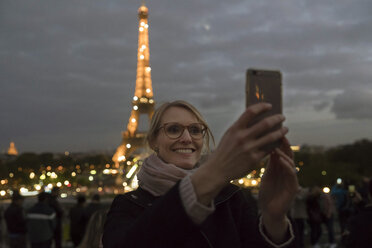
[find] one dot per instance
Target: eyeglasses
(175, 130)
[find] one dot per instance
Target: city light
(295, 148)
(3, 193)
(131, 171)
(91, 178)
(32, 175)
(59, 184)
(326, 190)
(23, 190)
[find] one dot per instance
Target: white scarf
(157, 177)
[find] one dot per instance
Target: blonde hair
(94, 231)
(158, 115)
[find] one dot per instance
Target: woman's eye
(195, 129)
(174, 129)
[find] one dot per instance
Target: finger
(270, 138)
(286, 147)
(251, 112)
(266, 124)
(261, 127)
(284, 156)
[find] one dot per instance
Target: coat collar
(145, 199)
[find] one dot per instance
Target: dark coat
(15, 219)
(91, 209)
(77, 223)
(359, 229)
(138, 219)
(41, 222)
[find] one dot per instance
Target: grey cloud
(71, 67)
(353, 104)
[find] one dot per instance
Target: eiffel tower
(143, 102)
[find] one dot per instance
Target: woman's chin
(187, 165)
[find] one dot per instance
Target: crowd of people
(41, 225)
(183, 201)
(346, 203)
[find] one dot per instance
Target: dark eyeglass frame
(204, 129)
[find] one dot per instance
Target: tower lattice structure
(143, 102)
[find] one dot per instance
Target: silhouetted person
(77, 221)
(340, 197)
(358, 231)
(328, 211)
(54, 203)
(16, 222)
(92, 207)
(315, 215)
(41, 223)
(299, 215)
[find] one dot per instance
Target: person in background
(358, 231)
(328, 209)
(77, 221)
(16, 222)
(315, 215)
(181, 204)
(340, 197)
(41, 221)
(54, 203)
(299, 215)
(92, 207)
(94, 230)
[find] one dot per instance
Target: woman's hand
(278, 188)
(238, 152)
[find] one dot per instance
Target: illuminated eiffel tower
(143, 102)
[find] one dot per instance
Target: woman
(93, 233)
(182, 204)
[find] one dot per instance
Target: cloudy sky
(68, 68)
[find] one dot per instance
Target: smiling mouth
(184, 150)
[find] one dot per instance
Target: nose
(185, 137)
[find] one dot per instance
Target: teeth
(184, 150)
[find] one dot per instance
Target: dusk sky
(68, 68)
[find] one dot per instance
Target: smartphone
(265, 86)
